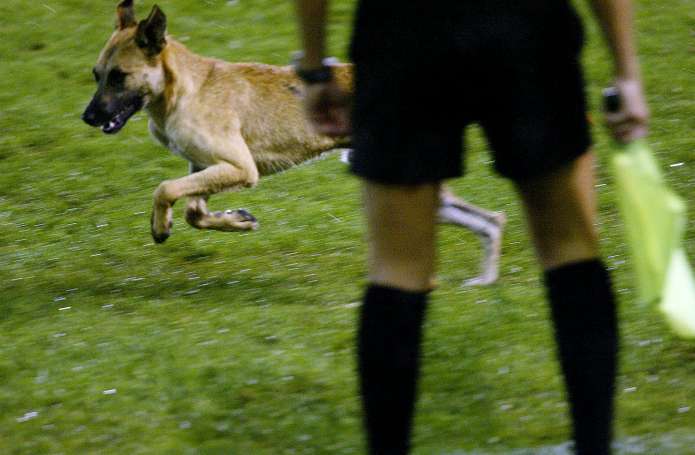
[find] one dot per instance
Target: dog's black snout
(93, 115)
(89, 118)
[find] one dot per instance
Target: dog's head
(129, 72)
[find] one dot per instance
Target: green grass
(242, 343)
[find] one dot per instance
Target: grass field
(242, 343)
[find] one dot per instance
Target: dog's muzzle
(111, 123)
(91, 117)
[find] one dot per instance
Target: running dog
(233, 123)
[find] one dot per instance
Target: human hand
(630, 121)
(328, 108)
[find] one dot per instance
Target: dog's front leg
(214, 179)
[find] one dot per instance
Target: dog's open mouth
(119, 120)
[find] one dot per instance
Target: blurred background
(242, 343)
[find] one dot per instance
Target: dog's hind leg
(198, 186)
(198, 216)
(487, 225)
(197, 211)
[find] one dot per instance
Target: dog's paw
(245, 215)
(248, 221)
(237, 220)
(160, 236)
(482, 280)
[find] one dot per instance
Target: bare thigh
(401, 234)
(561, 213)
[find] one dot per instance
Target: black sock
(584, 313)
(388, 348)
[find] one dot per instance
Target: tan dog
(233, 122)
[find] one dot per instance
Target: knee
(163, 195)
(402, 235)
(558, 248)
(241, 175)
(406, 280)
(251, 177)
(410, 273)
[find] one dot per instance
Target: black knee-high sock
(584, 314)
(388, 348)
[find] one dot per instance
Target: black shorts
(415, 92)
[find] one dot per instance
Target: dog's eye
(116, 77)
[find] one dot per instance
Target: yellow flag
(654, 218)
(678, 300)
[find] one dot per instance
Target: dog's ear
(151, 32)
(125, 15)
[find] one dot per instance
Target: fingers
(628, 131)
(333, 121)
(626, 127)
(630, 122)
(328, 109)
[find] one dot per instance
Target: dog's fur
(233, 122)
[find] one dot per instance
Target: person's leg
(401, 234)
(561, 213)
(401, 229)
